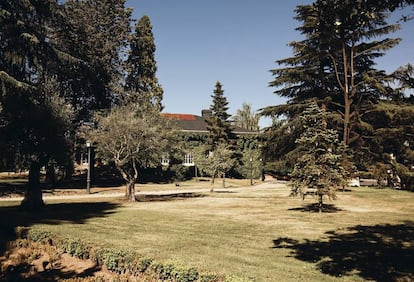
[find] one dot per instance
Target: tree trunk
(212, 183)
(224, 180)
(130, 190)
(347, 120)
(33, 195)
(320, 203)
(130, 178)
(50, 175)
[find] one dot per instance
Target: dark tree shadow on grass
(168, 197)
(379, 252)
(326, 208)
(53, 214)
(12, 188)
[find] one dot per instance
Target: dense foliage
(141, 82)
(35, 114)
(60, 63)
(133, 138)
(218, 123)
(133, 134)
(319, 166)
(335, 65)
(246, 118)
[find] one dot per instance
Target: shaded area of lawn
(326, 208)
(12, 186)
(379, 252)
(53, 214)
(168, 197)
(103, 177)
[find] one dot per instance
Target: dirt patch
(26, 260)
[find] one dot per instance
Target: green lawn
(255, 232)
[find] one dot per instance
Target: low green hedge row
(124, 262)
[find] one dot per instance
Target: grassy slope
(263, 234)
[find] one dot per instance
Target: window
(165, 160)
(188, 160)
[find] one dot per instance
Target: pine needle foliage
(335, 65)
(318, 169)
(141, 67)
(218, 123)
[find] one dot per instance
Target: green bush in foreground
(76, 248)
(123, 262)
(174, 271)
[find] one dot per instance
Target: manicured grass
(260, 233)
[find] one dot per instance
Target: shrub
(175, 272)
(119, 261)
(162, 271)
(39, 236)
(110, 258)
(209, 277)
(184, 274)
(143, 264)
(76, 248)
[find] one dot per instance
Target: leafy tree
(280, 152)
(215, 163)
(218, 124)
(141, 67)
(404, 77)
(246, 118)
(96, 33)
(35, 115)
(319, 166)
(335, 64)
(53, 56)
(133, 138)
(250, 163)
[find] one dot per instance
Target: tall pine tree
(96, 32)
(35, 114)
(335, 64)
(319, 165)
(141, 82)
(218, 124)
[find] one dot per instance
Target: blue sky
(235, 42)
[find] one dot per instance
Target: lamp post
(251, 171)
(261, 170)
(88, 177)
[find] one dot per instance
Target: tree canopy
(218, 123)
(335, 64)
(246, 118)
(141, 81)
(133, 138)
(35, 113)
(60, 62)
(319, 165)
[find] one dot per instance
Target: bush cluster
(124, 262)
(75, 247)
(174, 271)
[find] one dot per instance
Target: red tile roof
(179, 116)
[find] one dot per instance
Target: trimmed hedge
(124, 262)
